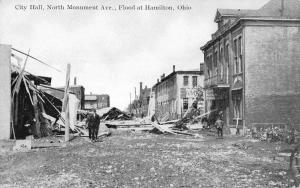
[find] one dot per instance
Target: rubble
(112, 113)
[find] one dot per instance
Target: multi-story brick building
(96, 101)
(252, 64)
(176, 92)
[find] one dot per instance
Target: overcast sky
(111, 52)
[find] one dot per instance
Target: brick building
(140, 104)
(252, 64)
(176, 92)
(96, 101)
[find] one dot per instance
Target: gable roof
(232, 13)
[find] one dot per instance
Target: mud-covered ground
(141, 159)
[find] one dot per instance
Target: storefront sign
(210, 95)
(187, 93)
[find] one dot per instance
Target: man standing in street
(219, 124)
(93, 122)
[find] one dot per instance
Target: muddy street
(140, 159)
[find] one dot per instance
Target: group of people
(93, 123)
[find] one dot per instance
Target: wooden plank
(36, 115)
(127, 125)
(162, 129)
(136, 129)
(184, 133)
(169, 122)
(66, 104)
(202, 115)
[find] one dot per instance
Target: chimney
(201, 67)
(157, 80)
(75, 81)
(173, 68)
(134, 92)
(282, 8)
(141, 88)
(90, 93)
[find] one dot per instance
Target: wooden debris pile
(29, 103)
(115, 114)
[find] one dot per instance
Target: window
(185, 80)
(235, 44)
(216, 62)
(185, 103)
(221, 63)
(240, 55)
(227, 62)
(237, 56)
(237, 106)
(195, 81)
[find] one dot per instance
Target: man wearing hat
(93, 122)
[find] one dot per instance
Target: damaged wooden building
(25, 108)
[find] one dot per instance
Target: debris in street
(243, 146)
(22, 145)
(113, 113)
(144, 160)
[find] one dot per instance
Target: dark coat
(219, 124)
(93, 121)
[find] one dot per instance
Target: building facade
(5, 82)
(96, 101)
(175, 93)
(252, 64)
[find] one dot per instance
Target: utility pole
(65, 107)
(130, 103)
(282, 8)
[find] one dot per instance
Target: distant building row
(87, 102)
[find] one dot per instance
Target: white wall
(200, 80)
(5, 91)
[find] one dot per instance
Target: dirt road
(128, 159)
